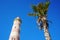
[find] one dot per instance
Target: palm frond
(40, 6)
(45, 12)
(34, 8)
(47, 4)
(30, 14)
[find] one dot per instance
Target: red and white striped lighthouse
(14, 35)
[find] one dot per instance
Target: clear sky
(9, 9)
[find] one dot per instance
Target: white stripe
(14, 34)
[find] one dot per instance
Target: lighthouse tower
(14, 35)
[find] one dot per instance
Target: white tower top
(14, 35)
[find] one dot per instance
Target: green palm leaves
(33, 14)
(34, 8)
(41, 11)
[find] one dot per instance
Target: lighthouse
(14, 35)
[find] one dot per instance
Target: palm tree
(41, 12)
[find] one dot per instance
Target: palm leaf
(47, 4)
(34, 8)
(40, 6)
(30, 14)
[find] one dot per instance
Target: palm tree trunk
(46, 33)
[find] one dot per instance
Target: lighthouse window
(15, 26)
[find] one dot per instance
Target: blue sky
(9, 9)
